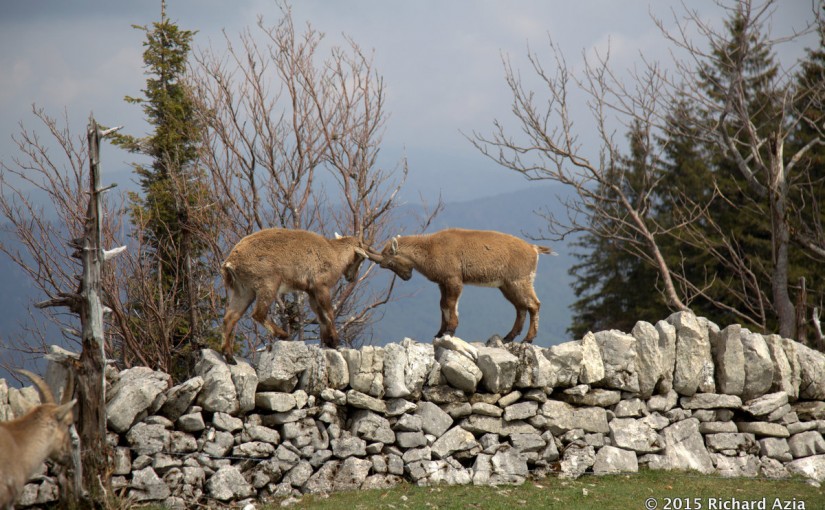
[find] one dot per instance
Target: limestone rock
(366, 370)
(132, 395)
(618, 353)
(812, 373)
(758, 366)
(147, 486)
(245, 380)
(565, 363)
(648, 358)
(460, 371)
(228, 483)
(766, 404)
(806, 444)
(611, 460)
(279, 368)
(809, 467)
(433, 419)
(180, 397)
(372, 427)
(498, 368)
(592, 366)
(685, 448)
(534, 369)
(667, 348)
(786, 370)
(457, 345)
(337, 370)
(635, 435)
(454, 440)
(406, 367)
(218, 393)
(692, 352)
(729, 355)
(711, 401)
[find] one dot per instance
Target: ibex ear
(337, 235)
(394, 245)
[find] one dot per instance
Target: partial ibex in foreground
(454, 257)
(27, 441)
(272, 262)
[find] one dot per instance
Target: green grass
(625, 492)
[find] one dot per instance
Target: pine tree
(608, 278)
(168, 213)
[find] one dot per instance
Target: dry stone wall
(680, 394)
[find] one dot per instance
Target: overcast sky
(441, 61)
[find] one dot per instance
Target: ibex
(27, 441)
(272, 262)
(454, 257)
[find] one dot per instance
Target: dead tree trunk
(86, 302)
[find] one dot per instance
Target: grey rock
(148, 439)
(763, 429)
(732, 442)
(565, 363)
(458, 409)
(648, 358)
(786, 370)
(773, 469)
(766, 404)
(485, 409)
(366, 370)
(592, 366)
(758, 366)
(595, 397)
(130, 397)
(711, 401)
(509, 398)
(245, 380)
(406, 366)
(408, 423)
(454, 440)
(630, 408)
(349, 446)
(667, 348)
(337, 369)
(363, 401)
(443, 394)
(489, 425)
(807, 411)
(729, 355)
(684, 447)
(812, 373)
(218, 393)
(223, 421)
(521, 411)
(280, 367)
(576, 460)
(122, 461)
(692, 352)
(433, 420)
(276, 401)
(381, 482)
(498, 368)
(146, 485)
(611, 460)
(635, 435)
(191, 422)
(528, 442)
(180, 397)
(534, 369)
(806, 444)
(253, 449)
(372, 427)
(399, 406)
(809, 467)
(663, 403)
(717, 427)
(351, 474)
(746, 466)
(562, 417)
(775, 448)
(299, 474)
(460, 371)
(618, 352)
(228, 483)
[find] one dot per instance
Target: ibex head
(56, 417)
(351, 271)
(394, 259)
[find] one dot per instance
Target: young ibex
(27, 441)
(454, 257)
(272, 262)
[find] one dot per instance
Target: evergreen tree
(609, 277)
(169, 213)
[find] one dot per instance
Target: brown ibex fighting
(454, 257)
(272, 262)
(27, 441)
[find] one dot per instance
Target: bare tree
(609, 205)
(292, 140)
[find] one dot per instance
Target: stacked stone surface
(680, 394)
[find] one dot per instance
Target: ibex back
(26, 442)
(455, 257)
(272, 262)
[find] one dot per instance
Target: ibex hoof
(508, 339)
(527, 341)
(230, 359)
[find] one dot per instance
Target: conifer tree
(169, 212)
